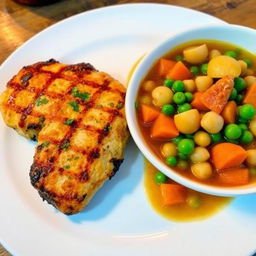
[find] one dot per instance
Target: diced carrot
(216, 97)
(197, 102)
(233, 177)
(173, 194)
(227, 155)
(164, 66)
(250, 96)
(179, 72)
(229, 112)
(164, 128)
(148, 113)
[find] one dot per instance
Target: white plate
(119, 220)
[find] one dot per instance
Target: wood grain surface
(18, 23)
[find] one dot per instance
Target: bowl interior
(236, 35)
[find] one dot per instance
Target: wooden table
(18, 23)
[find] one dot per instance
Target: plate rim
(6, 244)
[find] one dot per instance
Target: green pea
(232, 131)
(179, 58)
(171, 160)
(178, 86)
(246, 138)
(179, 98)
(177, 139)
(184, 107)
(243, 127)
(189, 96)
(160, 178)
(183, 156)
(233, 94)
(231, 54)
(182, 164)
(239, 84)
(216, 137)
(194, 70)
(248, 62)
(239, 98)
(168, 82)
(246, 111)
(194, 201)
(168, 109)
(204, 68)
(253, 171)
(186, 146)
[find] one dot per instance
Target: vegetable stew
(196, 109)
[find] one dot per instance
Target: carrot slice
(179, 72)
(164, 66)
(197, 102)
(173, 194)
(216, 97)
(233, 177)
(250, 96)
(164, 128)
(229, 112)
(148, 113)
(227, 155)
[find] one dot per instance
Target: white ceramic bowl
(237, 35)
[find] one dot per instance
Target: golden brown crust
(77, 116)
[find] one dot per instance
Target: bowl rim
(138, 75)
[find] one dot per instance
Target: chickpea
(145, 99)
(212, 122)
(243, 66)
(214, 53)
(200, 155)
(202, 170)
(252, 127)
(249, 72)
(251, 157)
(190, 85)
(222, 65)
(148, 85)
(202, 139)
(187, 122)
(250, 80)
(169, 149)
(196, 54)
(203, 83)
(162, 95)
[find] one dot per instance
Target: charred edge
(70, 210)
(33, 126)
(24, 79)
(80, 68)
(83, 176)
(81, 198)
(116, 163)
(37, 172)
(40, 64)
(46, 196)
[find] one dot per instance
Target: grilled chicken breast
(77, 116)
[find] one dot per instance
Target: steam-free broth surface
(209, 206)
